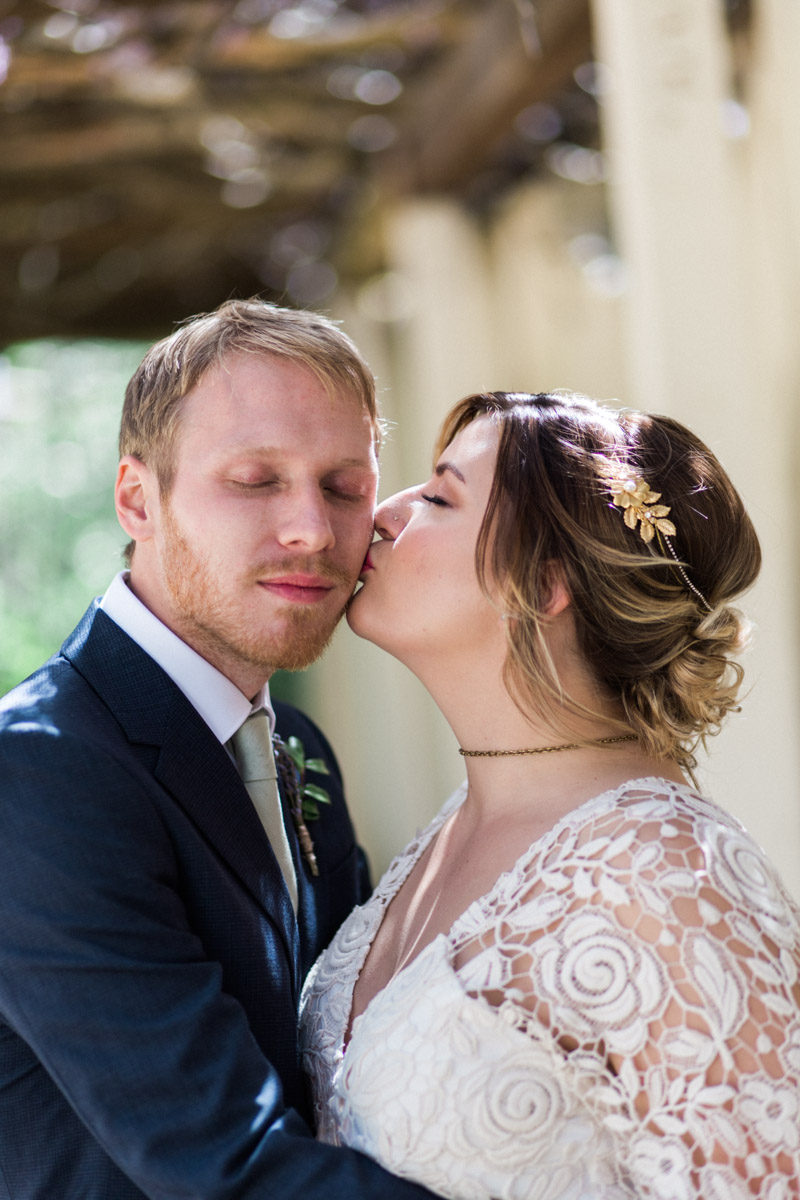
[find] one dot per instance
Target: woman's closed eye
(435, 500)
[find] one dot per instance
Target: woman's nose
(391, 516)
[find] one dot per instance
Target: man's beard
(217, 631)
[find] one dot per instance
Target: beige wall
(697, 319)
(710, 331)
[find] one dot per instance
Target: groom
(156, 922)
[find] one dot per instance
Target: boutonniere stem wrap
(639, 504)
(303, 797)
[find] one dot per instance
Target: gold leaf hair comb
(639, 504)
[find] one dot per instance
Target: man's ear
(135, 498)
(558, 597)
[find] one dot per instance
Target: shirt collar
(219, 702)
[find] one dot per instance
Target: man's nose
(305, 521)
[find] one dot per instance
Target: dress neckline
(394, 880)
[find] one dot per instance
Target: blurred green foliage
(60, 543)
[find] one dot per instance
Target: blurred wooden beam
(512, 55)
(415, 26)
(100, 141)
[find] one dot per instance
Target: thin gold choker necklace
(608, 741)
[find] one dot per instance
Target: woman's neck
(483, 716)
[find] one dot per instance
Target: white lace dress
(646, 929)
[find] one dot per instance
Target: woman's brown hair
(658, 638)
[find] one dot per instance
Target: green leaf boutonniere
(304, 798)
(311, 794)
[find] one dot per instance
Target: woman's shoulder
(650, 795)
(659, 840)
(650, 809)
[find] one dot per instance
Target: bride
(583, 978)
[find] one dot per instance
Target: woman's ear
(557, 597)
(134, 495)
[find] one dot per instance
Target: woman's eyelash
(435, 500)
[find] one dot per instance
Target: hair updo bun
(660, 635)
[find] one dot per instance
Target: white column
(556, 289)
(446, 345)
(677, 202)
(682, 206)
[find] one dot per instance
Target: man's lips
(303, 588)
(368, 565)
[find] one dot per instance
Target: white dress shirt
(219, 702)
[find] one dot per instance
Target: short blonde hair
(173, 366)
(644, 633)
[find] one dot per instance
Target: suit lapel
(190, 763)
(311, 890)
(209, 788)
(304, 925)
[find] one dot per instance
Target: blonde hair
(173, 366)
(176, 364)
(647, 637)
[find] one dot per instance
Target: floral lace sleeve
(654, 943)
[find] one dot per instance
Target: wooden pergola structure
(160, 156)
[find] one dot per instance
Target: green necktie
(252, 746)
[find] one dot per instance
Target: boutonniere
(304, 798)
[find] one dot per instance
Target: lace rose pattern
(630, 998)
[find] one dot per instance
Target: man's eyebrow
(362, 463)
(258, 451)
(448, 466)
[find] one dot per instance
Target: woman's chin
(353, 611)
(360, 620)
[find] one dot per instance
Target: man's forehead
(240, 376)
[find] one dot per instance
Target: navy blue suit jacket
(150, 962)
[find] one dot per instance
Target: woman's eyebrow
(448, 466)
